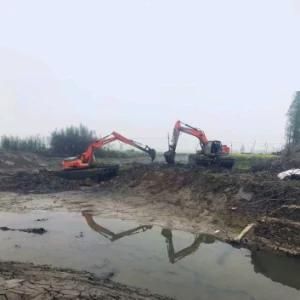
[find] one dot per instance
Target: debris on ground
(289, 174)
(41, 220)
(27, 230)
(244, 232)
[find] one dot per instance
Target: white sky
(136, 66)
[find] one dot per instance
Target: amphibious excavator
(87, 158)
(84, 165)
(212, 152)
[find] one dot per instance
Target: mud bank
(26, 281)
(215, 201)
(228, 200)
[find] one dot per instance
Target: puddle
(173, 263)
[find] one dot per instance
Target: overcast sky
(135, 66)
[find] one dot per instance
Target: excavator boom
(150, 151)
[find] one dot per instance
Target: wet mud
(26, 281)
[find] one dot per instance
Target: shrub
(71, 140)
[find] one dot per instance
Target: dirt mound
(278, 234)
(289, 212)
(252, 194)
(17, 161)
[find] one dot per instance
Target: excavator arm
(182, 127)
(151, 152)
(86, 159)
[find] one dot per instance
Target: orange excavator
(212, 152)
(87, 159)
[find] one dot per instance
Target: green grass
(247, 161)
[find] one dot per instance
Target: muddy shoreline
(221, 204)
(26, 281)
(195, 200)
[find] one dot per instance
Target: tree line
(73, 140)
(30, 144)
(69, 141)
(293, 123)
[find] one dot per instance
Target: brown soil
(38, 182)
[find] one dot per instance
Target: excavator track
(97, 173)
(225, 162)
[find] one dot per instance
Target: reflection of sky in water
(174, 263)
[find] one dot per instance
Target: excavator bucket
(170, 157)
(152, 153)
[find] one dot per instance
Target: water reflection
(109, 234)
(166, 233)
(278, 268)
(176, 256)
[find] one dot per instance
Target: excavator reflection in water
(176, 256)
(278, 268)
(109, 234)
(166, 233)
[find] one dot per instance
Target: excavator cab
(213, 148)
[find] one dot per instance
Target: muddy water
(177, 264)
